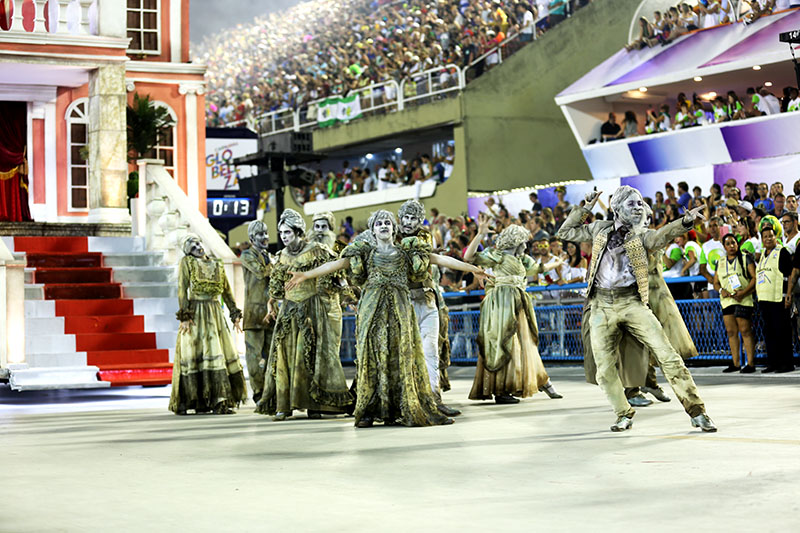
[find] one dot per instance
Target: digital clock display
(231, 208)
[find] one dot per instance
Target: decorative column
(193, 176)
(108, 167)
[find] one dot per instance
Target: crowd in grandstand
(321, 48)
(684, 17)
(385, 174)
(759, 101)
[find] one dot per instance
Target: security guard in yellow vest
(773, 268)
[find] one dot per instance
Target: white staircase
(51, 358)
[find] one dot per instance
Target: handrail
(430, 82)
(567, 287)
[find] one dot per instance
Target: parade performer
(392, 377)
(304, 370)
(619, 298)
(322, 225)
(206, 375)
(429, 306)
(257, 320)
(509, 365)
(636, 363)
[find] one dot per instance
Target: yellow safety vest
(726, 270)
(769, 279)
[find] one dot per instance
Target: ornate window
(77, 164)
(143, 26)
(165, 149)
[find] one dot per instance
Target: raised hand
(483, 223)
(694, 214)
(591, 198)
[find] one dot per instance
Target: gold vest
(637, 255)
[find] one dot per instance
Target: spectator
(536, 206)
(558, 11)
(748, 238)
(790, 233)
(685, 197)
(791, 203)
(712, 252)
(735, 281)
(773, 268)
(779, 203)
(764, 201)
(630, 126)
(528, 25)
(610, 130)
(577, 264)
(735, 108)
(646, 37)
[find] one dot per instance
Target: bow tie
(617, 237)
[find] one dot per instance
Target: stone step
(29, 275)
(133, 259)
(40, 343)
(47, 360)
(34, 291)
(68, 377)
(38, 325)
(149, 290)
(40, 309)
(155, 306)
(161, 274)
(124, 245)
(157, 323)
(165, 340)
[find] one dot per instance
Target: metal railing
(559, 315)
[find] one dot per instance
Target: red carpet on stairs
(94, 311)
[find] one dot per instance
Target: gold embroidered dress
(392, 378)
(508, 361)
(304, 370)
(206, 370)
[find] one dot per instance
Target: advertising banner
(221, 173)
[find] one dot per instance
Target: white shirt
(544, 8)
(675, 270)
(527, 22)
(694, 270)
(714, 251)
(615, 270)
(791, 244)
(768, 104)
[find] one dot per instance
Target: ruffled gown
(508, 361)
(392, 378)
(206, 370)
(304, 370)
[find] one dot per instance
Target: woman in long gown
(392, 377)
(304, 370)
(509, 365)
(206, 375)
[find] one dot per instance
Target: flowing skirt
(509, 362)
(206, 371)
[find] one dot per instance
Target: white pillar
(190, 92)
(16, 22)
(175, 41)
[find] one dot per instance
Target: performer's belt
(630, 290)
(520, 282)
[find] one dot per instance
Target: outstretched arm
(322, 270)
(454, 264)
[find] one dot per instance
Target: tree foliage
(147, 125)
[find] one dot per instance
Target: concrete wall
(516, 136)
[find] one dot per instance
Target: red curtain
(13, 167)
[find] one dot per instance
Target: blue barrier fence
(560, 328)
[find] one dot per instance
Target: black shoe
(364, 423)
(446, 410)
(784, 369)
(768, 370)
(550, 391)
(314, 415)
(731, 368)
(748, 369)
(505, 399)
